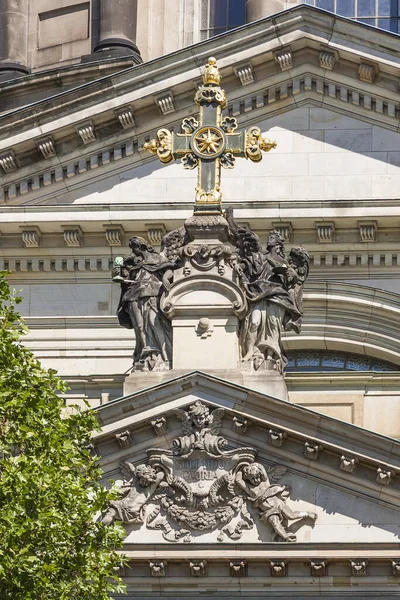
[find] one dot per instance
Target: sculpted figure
(273, 286)
(261, 489)
(201, 429)
(142, 276)
(137, 491)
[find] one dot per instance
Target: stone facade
(345, 537)
(330, 185)
(77, 185)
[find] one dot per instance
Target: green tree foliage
(51, 546)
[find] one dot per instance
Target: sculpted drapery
(142, 276)
(273, 286)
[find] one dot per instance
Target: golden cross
(209, 143)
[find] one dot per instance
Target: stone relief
(143, 275)
(200, 485)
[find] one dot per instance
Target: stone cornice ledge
(265, 35)
(302, 423)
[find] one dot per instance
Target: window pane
(367, 21)
(236, 13)
(365, 8)
(385, 8)
(384, 24)
(358, 364)
(388, 24)
(213, 32)
(309, 359)
(218, 13)
(345, 8)
(333, 360)
(326, 4)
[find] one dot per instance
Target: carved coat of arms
(199, 485)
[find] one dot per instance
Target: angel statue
(262, 490)
(143, 275)
(273, 285)
(201, 429)
(140, 485)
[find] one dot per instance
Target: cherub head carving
(255, 473)
(199, 415)
(146, 475)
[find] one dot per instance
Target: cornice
(312, 35)
(265, 410)
(310, 569)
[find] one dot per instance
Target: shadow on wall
(322, 154)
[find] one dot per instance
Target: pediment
(301, 57)
(345, 475)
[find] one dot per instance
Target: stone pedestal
(272, 384)
(202, 343)
(206, 304)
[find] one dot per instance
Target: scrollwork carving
(162, 146)
(256, 144)
(199, 485)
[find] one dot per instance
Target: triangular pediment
(300, 57)
(345, 475)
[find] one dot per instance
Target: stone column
(13, 38)
(258, 9)
(118, 21)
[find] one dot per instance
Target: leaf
(50, 543)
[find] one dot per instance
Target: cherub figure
(201, 429)
(143, 482)
(260, 487)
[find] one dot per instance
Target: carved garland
(200, 486)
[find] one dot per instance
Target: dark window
(366, 8)
(346, 8)
(325, 4)
(378, 13)
(323, 360)
(222, 15)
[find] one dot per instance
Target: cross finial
(209, 143)
(211, 73)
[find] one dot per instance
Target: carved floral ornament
(201, 485)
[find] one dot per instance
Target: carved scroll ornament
(200, 485)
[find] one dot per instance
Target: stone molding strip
(68, 171)
(355, 259)
(340, 260)
(238, 568)
(58, 265)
